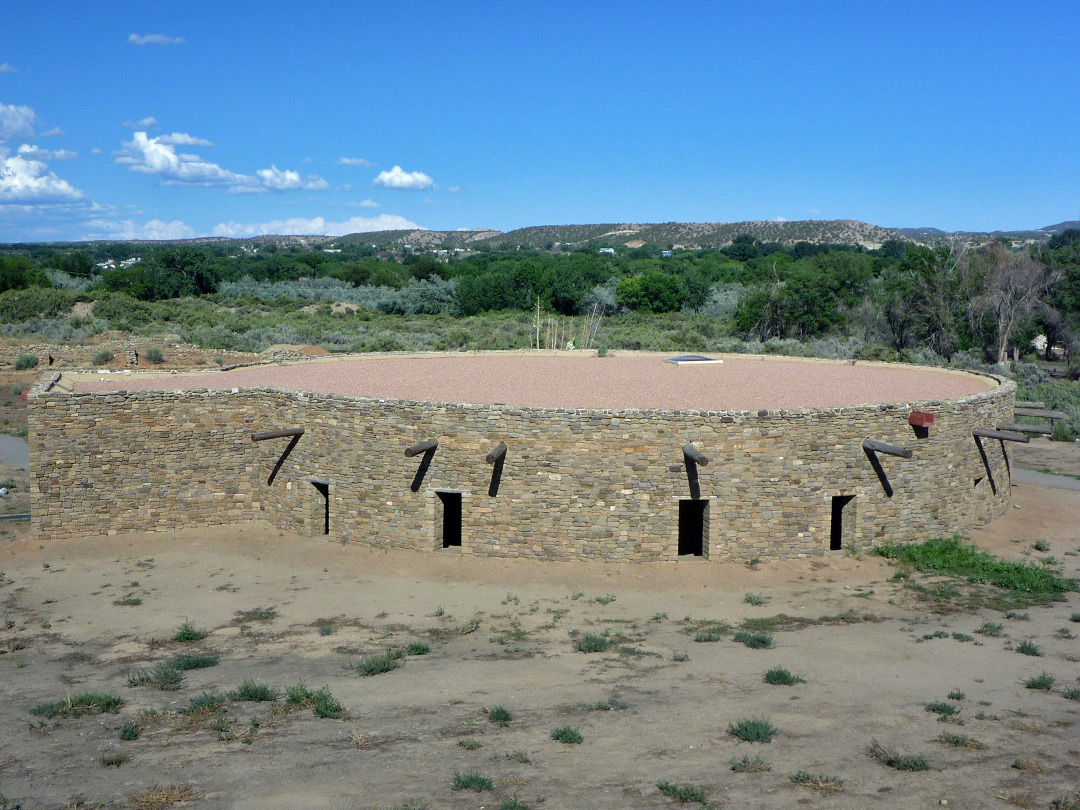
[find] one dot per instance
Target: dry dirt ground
(84, 615)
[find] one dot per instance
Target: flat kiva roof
(577, 380)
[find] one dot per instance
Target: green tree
(651, 292)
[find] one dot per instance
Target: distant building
(607, 251)
(665, 254)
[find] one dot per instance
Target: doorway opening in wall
(322, 521)
(843, 521)
(451, 518)
(693, 527)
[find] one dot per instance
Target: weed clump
(188, 632)
(1029, 648)
(500, 716)
(960, 741)
(254, 692)
(79, 705)
(567, 734)
(683, 793)
(942, 709)
(820, 782)
(755, 641)
(888, 755)
(321, 701)
(778, 676)
(471, 780)
(1043, 681)
(378, 664)
(993, 629)
(130, 731)
(753, 730)
(750, 765)
(709, 634)
(591, 642)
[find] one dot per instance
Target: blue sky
(166, 120)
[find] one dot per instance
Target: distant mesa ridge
(688, 235)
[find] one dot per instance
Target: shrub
(942, 709)
(102, 357)
(960, 741)
(1028, 648)
(471, 780)
(821, 782)
(188, 632)
(683, 793)
(321, 701)
(130, 731)
(418, 648)
(753, 730)
(165, 676)
(778, 676)
(750, 765)
(992, 629)
(888, 755)
(755, 641)
(378, 664)
(709, 634)
(591, 642)
(567, 734)
(254, 692)
(186, 661)
(204, 703)
(154, 355)
(1043, 681)
(26, 361)
(755, 599)
(500, 716)
(80, 704)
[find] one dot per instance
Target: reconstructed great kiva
(555, 456)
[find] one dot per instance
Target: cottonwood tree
(1014, 289)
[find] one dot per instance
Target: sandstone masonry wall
(576, 484)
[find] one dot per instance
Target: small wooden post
(426, 446)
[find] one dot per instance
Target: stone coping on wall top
(46, 387)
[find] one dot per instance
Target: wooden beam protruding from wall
(1016, 427)
(695, 455)
(426, 446)
(276, 434)
(1000, 435)
(875, 446)
(497, 454)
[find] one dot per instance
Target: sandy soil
(868, 677)
(581, 380)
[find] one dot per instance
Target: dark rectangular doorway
(451, 519)
(693, 526)
(843, 521)
(323, 510)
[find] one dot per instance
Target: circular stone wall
(618, 458)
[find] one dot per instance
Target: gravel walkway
(564, 380)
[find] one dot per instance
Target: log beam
(695, 455)
(426, 446)
(875, 446)
(1016, 427)
(497, 454)
(1000, 435)
(276, 434)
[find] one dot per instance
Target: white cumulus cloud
(316, 226)
(24, 180)
(143, 123)
(6, 68)
(153, 39)
(53, 133)
(16, 122)
(152, 156)
(401, 179)
(346, 161)
(182, 139)
(31, 152)
(129, 229)
(288, 180)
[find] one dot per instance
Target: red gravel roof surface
(579, 380)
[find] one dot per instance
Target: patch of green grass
(942, 709)
(1074, 617)
(469, 745)
(418, 648)
(471, 780)
(959, 741)
(518, 755)
(500, 716)
(188, 632)
(991, 629)
(607, 599)
(326, 629)
(321, 701)
(1041, 545)
(950, 556)
(709, 634)
(750, 764)
(890, 756)
(1044, 681)
(658, 617)
(251, 691)
(567, 734)
(592, 642)
(513, 803)
(79, 705)
(1029, 648)
(778, 676)
(753, 730)
(130, 731)
(755, 641)
(114, 759)
(1071, 693)
(683, 793)
(378, 664)
(821, 782)
(128, 601)
(186, 661)
(956, 694)
(204, 703)
(611, 704)
(1016, 616)
(165, 676)
(963, 637)
(259, 614)
(756, 599)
